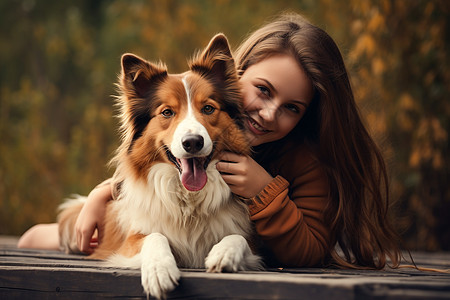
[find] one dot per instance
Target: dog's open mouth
(192, 170)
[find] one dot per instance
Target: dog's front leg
(159, 271)
(232, 254)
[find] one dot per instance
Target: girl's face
(276, 94)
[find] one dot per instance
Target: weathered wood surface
(36, 274)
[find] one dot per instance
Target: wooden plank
(78, 283)
(49, 274)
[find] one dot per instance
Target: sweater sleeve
(288, 216)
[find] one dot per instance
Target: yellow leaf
(414, 158)
(377, 23)
(407, 102)
(378, 66)
(357, 26)
(364, 45)
(438, 132)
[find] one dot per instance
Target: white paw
(227, 255)
(159, 271)
(160, 277)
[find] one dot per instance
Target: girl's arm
(40, 236)
(92, 217)
(288, 216)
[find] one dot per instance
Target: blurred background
(59, 61)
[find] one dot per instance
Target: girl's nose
(268, 113)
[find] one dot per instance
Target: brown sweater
(288, 213)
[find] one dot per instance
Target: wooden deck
(35, 274)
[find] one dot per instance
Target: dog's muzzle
(192, 169)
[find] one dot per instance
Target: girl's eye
(167, 113)
(292, 108)
(208, 109)
(263, 90)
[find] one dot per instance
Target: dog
(173, 208)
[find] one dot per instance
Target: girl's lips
(255, 128)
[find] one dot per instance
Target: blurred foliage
(401, 48)
(60, 59)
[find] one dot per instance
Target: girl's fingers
(94, 243)
(230, 179)
(229, 168)
(85, 240)
(230, 157)
(224, 167)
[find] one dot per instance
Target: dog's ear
(216, 60)
(139, 80)
(139, 76)
(216, 64)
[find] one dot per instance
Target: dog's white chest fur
(192, 221)
(204, 229)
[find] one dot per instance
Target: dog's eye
(208, 109)
(167, 113)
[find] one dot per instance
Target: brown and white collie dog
(173, 208)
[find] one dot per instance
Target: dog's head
(182, 119)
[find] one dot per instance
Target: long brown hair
(357, 214)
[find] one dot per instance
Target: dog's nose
(192, 143)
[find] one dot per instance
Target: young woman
(316, 185)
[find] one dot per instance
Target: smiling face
(276, 93)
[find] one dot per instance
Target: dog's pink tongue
(193, 174)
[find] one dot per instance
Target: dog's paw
(160, 277)
(228, 255)
(159, 271)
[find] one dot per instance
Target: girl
(317, 186)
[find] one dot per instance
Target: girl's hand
(245, 176)
(92, 217)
